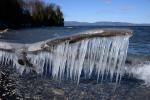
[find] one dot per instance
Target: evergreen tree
(17, 13)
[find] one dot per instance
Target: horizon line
(103, 21)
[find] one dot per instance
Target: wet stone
(33, 87)
(58, 92)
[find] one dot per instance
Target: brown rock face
(108, 32)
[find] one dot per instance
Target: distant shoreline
(101, 23)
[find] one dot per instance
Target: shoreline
(33, 86)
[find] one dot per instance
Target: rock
(58, 92)
(108, 32)
(4, 31)
(37, 97)
(82, 93)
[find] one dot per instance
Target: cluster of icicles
(101, 55)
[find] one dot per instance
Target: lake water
(131, 87)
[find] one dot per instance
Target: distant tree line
(18, 13)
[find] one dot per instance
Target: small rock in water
(58, 92)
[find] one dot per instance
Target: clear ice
(101, 56)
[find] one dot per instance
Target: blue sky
(134, 11)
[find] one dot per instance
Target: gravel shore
(34, 87)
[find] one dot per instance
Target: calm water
(131, 87)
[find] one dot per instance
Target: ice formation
(105, 55)
(140, 71)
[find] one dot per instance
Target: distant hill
(75, 23)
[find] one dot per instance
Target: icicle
(104, 54)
